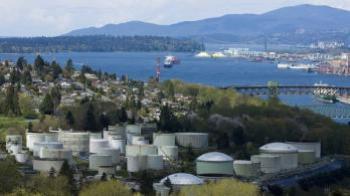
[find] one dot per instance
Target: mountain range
(294, 20)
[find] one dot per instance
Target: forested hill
(98, 43)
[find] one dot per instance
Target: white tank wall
(137, 140)
(113, 152)
(163, 139)
(32, 138)
(15, 149)
(51, 137)
(95, 135)
(155, 162)
(134, 150)
(133, 129)
(64, 154)
(246, 168)
(95, 161)
(106, 170)
(306, 156)
(268, 163)
(46, 165)
(78, 142)
(288, 160)
(195, 140)
(118, 144)
(169, 152)
(50, 145)
(22, 157)
(136, 163)
(97, 144)
(315, 146)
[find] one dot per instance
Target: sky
(56, 17)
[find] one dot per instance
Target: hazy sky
(55, 17)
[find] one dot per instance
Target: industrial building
(214, 164)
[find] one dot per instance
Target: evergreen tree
(123, 116)
(52, 172)
(104, 121)
(167, 120)
(11, 102)
(26, 78)
(30, 127)
(69, 66)
(55, 69)
(90, 120)
(21, 63)
(15, 76)
(56, 96)
(104, 177)
(70, 118)
(47, 105)
(39, 64)
(2, 79)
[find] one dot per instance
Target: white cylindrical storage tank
(155, 162)
(22, 157)
(133, 129)
(109, 170)
(50, 145)
(137, 140)
(78, 142)
(214, 164)
(13, 140)
(94, 135)
(51, 137)
(246, 169)
(195, 140)
(306, 157)
(113, 152)
(169, 152)
(268, 163)
(287, 152)
(32, 138)
(44, 165)
(133, 164)
(97, 144)
(62, 154)
(120, 130)
(96, 161)
(179, 180)
(163, 139)
(315, 146)
(118, 144)
(134, 150)
(15, 149)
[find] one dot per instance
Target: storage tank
(133, 129)
(246, 169)
(109, 170)
(50, 145)
(195, 140)
(315, 146)
(179, 180)
(155, 162)
(134, 150)
(22, 157)
(14, 149)
(169, 152)
(51, 137)
(138, 140)
(287, 152)
(96, 161)
(306, 157)
(163, 139)
(45, 165)
(214, 164)
(113, 152)
(118, 144)
(97, 144)
(78, 142)
(61, 154)
(94, 135)
(13, 140)
(31, 138)
(136, 163)
(268, 163)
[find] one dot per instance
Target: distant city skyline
(51, 18)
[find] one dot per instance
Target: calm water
(215, 72)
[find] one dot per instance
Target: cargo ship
(169, 61)
(344, 99)
(324, 95)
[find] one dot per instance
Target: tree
(104, 121)
(12, 102)
(21, 63)
(112, 187)
(47, 105)
(90, 120)
(39, 64)
(55, 69)
(70, 118)
(67, 171)
(123, 116)
(56, 186)
(52, 172)
(69, 68)
(26, 77)
(15, 76)
(56, 96)
(167, 120)
(2, 79)
(10, 178)
(27, 106)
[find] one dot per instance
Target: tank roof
(214, 157)
(278, 147)
(182, 179)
